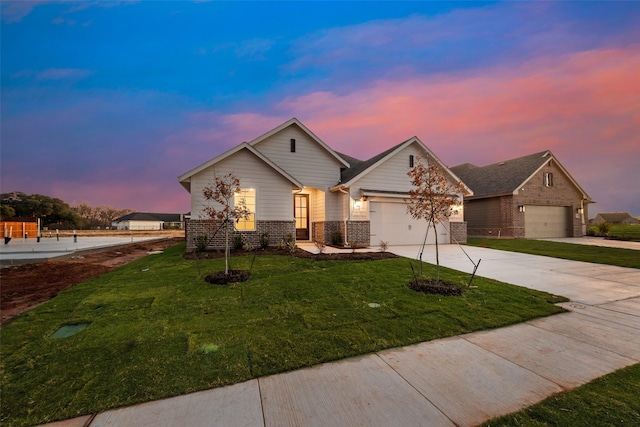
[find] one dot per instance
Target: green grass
(612, 400)
(596, 254)
(156, 330)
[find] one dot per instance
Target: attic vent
(501, 163)
(293, 145)
(410, 160)
(546, 153)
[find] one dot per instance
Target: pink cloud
(583, 106)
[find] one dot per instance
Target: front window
(246, 197)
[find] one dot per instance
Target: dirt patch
(28, 285)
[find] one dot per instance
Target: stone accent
(458, 232)
(359, 233)
(277, 231)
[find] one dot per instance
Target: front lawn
(576, 252)
(155, 329)
(611, 400)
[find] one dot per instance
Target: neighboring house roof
(616, 217)
(313, 136)
(360, 168)
(507, 177)
(185, 179)
(148, 216)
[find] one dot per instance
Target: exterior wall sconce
(521, 208)
(579, 211)
(357, 204)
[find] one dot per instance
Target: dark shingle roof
(148, 216)
(500, 178)
(615, 217)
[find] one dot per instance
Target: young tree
(225, 209)
(432, 197)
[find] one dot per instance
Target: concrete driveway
(463, 380)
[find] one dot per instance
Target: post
(57, 235)
(7, 238)
(75, 237)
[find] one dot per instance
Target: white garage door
(391, 223)
(546, 221)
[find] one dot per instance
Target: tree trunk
(437, 254)
(226, 248)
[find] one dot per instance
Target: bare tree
(432, 197)
(225, 208)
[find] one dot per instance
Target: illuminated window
(246, 197)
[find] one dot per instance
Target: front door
(301, 213)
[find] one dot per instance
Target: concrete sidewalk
(462, 381)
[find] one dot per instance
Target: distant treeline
(55, 213)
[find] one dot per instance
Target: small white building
(149, 221)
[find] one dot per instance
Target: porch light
(521, 208)
(357, 204)
(579, 211)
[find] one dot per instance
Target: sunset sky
(108, 102)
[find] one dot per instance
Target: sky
(108, 102)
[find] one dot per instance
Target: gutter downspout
(346, 243)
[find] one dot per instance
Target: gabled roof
(615, 217)
(360, 168)
(306, 130)
(507, 177)
(185, 179)
(148, 216)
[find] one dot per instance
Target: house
(532, 197)
(296, 185)
(614, 218)
(149, 221)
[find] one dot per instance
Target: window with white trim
(548, 179)
(246, 196)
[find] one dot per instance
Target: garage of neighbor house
(547, 221)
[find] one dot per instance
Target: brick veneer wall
(512, 224)
(458, 232)
(277, 231)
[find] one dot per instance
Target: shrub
(383, 246)
(264, 240)
(336, 238)
(201, 243)
(320, 247)
(603, 229)
(237, 241)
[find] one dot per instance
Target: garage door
(546, 221)
(391, 223)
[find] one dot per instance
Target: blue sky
(108, 102)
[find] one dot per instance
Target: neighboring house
(614, 218)
(296, 185)
(149, 221)
(532, 197)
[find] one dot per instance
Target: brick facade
(483, 222)
(458, 232)
(277, 231)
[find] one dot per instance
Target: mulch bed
(432, 286)
(234, 276)
(298, 253)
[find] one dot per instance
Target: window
(293, 145)
(410, 160)
(548, 179)
(246, 197)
